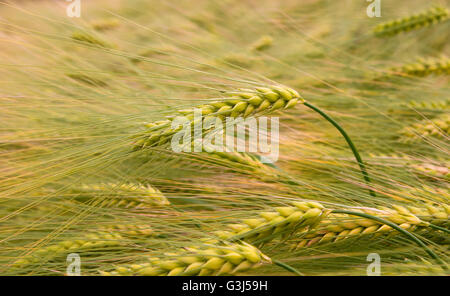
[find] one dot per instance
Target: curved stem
(349, 142)
(439, 228)
(399, 229)
(287, 267)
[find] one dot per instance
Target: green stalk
(399, 229)
(439, 228)
(287, 267)
(349, 142)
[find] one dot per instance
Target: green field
(86, 165)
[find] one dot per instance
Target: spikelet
(430, 105)
(89, 80)
(395, 157)
(125, 195)
(244, 162)
(403, 158)
(239, 59)
(413, 269)
(429, 17)
(85, 37)
(283, 221)
(154, 52)
(207, 260)
(440, 194)
(438, 127)
(432, 170)
(435, 213)
(90, 242)
(128, 230)
(342, 226)
(424, 194)
(204, 21)
(263, 100)
(422, 167)
(105, 24)
(423, 67)
(262, 43)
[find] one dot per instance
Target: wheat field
(87, 112)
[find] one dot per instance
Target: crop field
(132, 137)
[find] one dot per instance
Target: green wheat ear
(438, 127)
(423, 267)
(242, 103)
(431, 105)
(86, 79)
(125, 195)
(262, 100)
(89, 242)
(342, 226)
(262, 43)
(284, 221)
(242, 162)
(429, 169)
(424, 67)
(128, 230)
(427, 18)
(87, 38)
(214, 258)
(105, 24)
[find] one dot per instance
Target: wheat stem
(439, 228)
(349, 142)
(287, 267)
